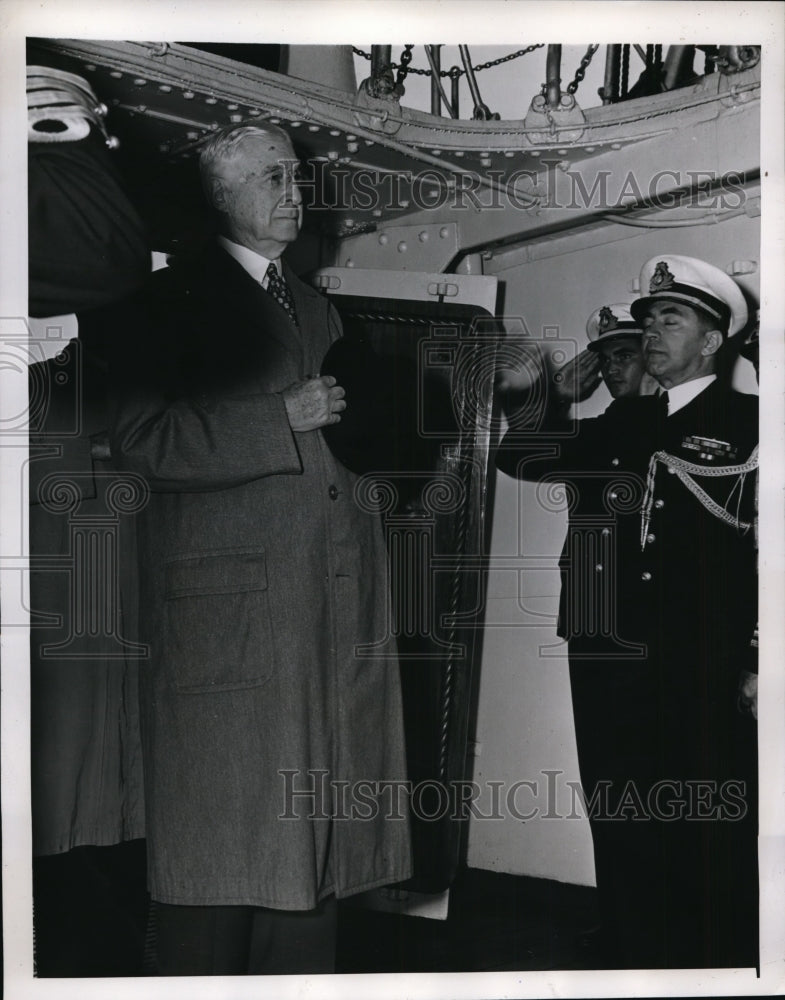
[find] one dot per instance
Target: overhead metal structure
(164, 99)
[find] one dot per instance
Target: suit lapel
(257, 309)
(312, 315)
(250, 313)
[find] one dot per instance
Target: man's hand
(578, 379)
(520, 370)
(748, 694)
(314, 402)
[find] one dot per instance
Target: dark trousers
(677, 874)
(244, 940)
(90, 908)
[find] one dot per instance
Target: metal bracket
(564, 123)
(735, 58)
(733, 91)
(375, 112)
(326, 282)
(443, 288)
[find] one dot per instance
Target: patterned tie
(280, 291)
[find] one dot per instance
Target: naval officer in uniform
(614, 355)
(688, 591)
(667, 762)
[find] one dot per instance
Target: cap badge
(662, 279)
(607, 320)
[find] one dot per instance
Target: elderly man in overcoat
(273, 744)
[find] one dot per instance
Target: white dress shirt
(254, 263)
(680, 395)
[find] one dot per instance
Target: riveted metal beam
(426, 247)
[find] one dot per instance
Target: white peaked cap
(701, 285)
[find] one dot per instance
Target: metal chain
(403, 69)
(451, 72)
(512, 55)
(625, 71)
(580, 73)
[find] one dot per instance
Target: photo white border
(487, 22)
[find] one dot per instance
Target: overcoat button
(646, 576)
(333, 492)
(651, 538)
(614, 461)
(598, 568)
(605, 532)
(659, 504)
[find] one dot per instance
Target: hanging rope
(686, 471)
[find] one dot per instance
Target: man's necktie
(662, 400)
(280, 291)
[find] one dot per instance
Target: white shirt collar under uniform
(680, 395)
(254, 263)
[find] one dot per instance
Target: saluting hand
(578, 379)
(520, 368)
(314, 402)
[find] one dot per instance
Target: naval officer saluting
(681, 873)
(668, 764)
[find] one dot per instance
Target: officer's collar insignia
(607, 320)
(662, 279)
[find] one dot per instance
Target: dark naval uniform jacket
(600, 461)
(696, 505)
(263, 593)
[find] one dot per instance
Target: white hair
(224, 145)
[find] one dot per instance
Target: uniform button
(651, 538)
(614, 461)
(598, 568)
(671, 471)
(659, 504)
(646, 576)
(606, 532)
(613, 496)
(333, 492)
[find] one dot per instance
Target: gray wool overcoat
(86, 759)
(262, 575)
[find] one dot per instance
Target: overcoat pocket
(218, 635)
